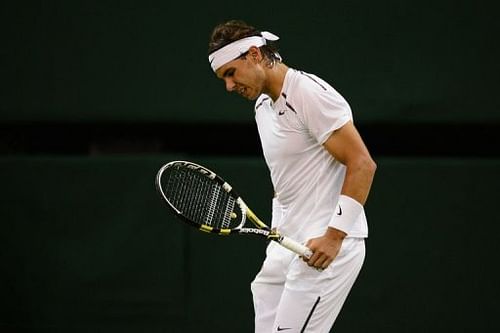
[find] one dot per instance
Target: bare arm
(346, 146)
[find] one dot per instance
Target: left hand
(325, 248)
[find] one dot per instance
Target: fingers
(319, 260)
(320, 264)
(326, 263)
(322, 256)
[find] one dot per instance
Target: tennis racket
(204, 200)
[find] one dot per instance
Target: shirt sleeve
(321, 108)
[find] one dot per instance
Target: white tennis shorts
(292, 297)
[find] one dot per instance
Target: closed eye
(229, 72)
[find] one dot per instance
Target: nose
(229, 84)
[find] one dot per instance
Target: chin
(252, 97)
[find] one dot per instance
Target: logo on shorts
(279, 329)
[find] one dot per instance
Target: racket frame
(261, 229)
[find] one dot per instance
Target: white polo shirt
(307, 179)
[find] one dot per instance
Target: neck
(275, 79)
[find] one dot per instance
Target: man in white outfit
(321, 171)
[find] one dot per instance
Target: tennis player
(321, 171)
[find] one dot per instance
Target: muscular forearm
(359, 178)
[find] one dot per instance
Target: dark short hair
(233, 30)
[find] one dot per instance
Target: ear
(254, 53)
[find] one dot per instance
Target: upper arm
(346, 145)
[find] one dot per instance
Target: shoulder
(310, 89)
(312, 81)
(305, 85)
(312, 97)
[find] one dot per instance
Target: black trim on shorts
(310, 315)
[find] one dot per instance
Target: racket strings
(212, 206)
(200, 199)
(228, 214)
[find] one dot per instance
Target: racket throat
(275, 237)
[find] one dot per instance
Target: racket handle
(296, 247)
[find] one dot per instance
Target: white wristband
(346, 213)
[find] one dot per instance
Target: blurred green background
(147, 61)
(96, 96)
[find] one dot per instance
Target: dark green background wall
(79, 61)
(96, 95)
(87, 246)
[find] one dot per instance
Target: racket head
(199, 197)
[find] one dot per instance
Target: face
(244, 76)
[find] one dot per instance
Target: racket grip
(296, 247)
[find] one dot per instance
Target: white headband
(235, 49)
